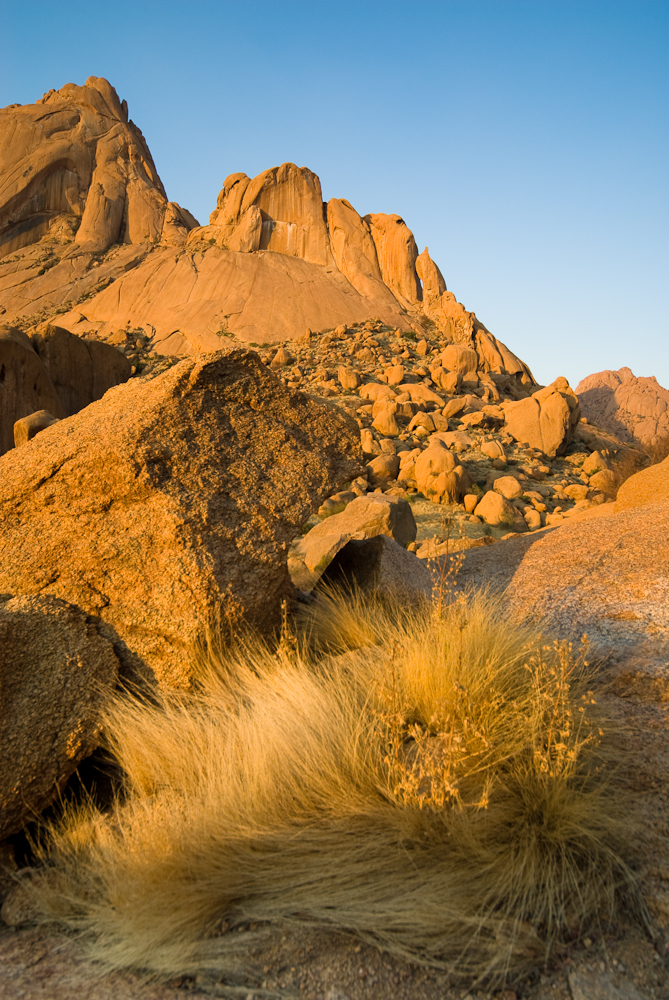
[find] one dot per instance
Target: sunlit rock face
(73, 157)
(87, 234)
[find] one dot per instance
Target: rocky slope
(634, 409)
(427, 408)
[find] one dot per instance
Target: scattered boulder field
(479, 454)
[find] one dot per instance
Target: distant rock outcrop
(633, 409)
(56, 373)
(74, 158)
(81, 370)
(170, 500)
(88, 234)
(25, 386)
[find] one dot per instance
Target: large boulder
(56, 671)
(645, 487)
(632, 409)
(605, 577)
(80, 370)
(75, 154)
(25, 386)
(545, 420)
(170, 503)
(364, 517)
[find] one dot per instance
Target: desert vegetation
(436, 781)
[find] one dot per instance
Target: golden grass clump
(433, 783)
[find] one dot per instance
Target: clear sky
(525, 142)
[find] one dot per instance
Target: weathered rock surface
(81, 370)
(365, 517)
(607, 577)
(645, 487)
(397, 252)
(380, 566)
(172, 499)
(25, 386)
(546, 420)
(289, 208)
(177, 224)
(55, 672)
(75, 154)
(633, 409)
(204, 292)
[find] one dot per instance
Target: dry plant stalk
(429, 779)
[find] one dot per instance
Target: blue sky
(525, 142)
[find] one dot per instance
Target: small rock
(385, 423)
(532, 518)
(477, 419)
(421, 419)
(497, 511)
(605, 482)
(336, 503)
(365, 517)
(493, 449)
(576, 491)
(595, 463)
(395, 374)
(26, 428)
(458, 358)
(383, 468)
(454, 407)
(470, 501)
(281, 358)
(348, 379)
(508, 487)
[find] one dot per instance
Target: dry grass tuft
(433, 783)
